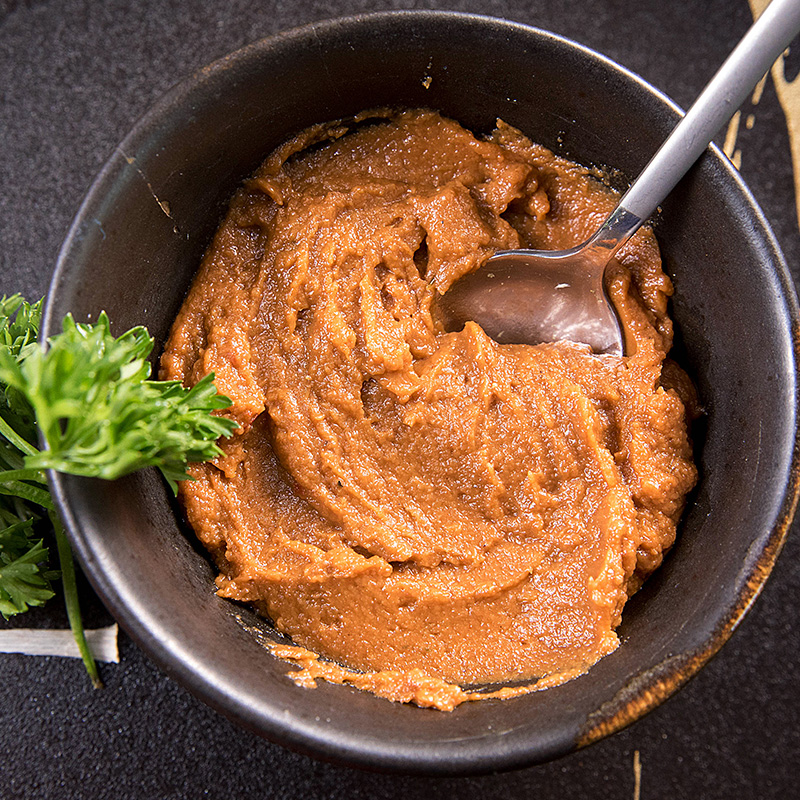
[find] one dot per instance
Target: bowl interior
(138, 240)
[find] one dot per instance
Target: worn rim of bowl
(637, 698)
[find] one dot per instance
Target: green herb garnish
(99, 415)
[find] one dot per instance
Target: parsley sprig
(89, 395)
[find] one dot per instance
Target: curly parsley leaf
(101, 416)
(19, 331)
(24, 578)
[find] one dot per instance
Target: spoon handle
(769, 36)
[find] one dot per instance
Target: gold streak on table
(788, 93)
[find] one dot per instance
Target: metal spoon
(534, 296)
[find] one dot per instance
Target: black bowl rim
(647, 694)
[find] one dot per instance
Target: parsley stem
(67, 565)
(9, 475)
(10, 455)
(18, 441)
(27, 492)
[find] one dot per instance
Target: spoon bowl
(533, 296)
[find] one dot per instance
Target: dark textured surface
(74, 77)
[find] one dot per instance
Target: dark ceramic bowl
(139, 237)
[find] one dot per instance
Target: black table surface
(74, 77)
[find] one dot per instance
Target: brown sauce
(425, 510)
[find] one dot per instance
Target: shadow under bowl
(139, 237)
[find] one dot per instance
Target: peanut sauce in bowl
(426, 509)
